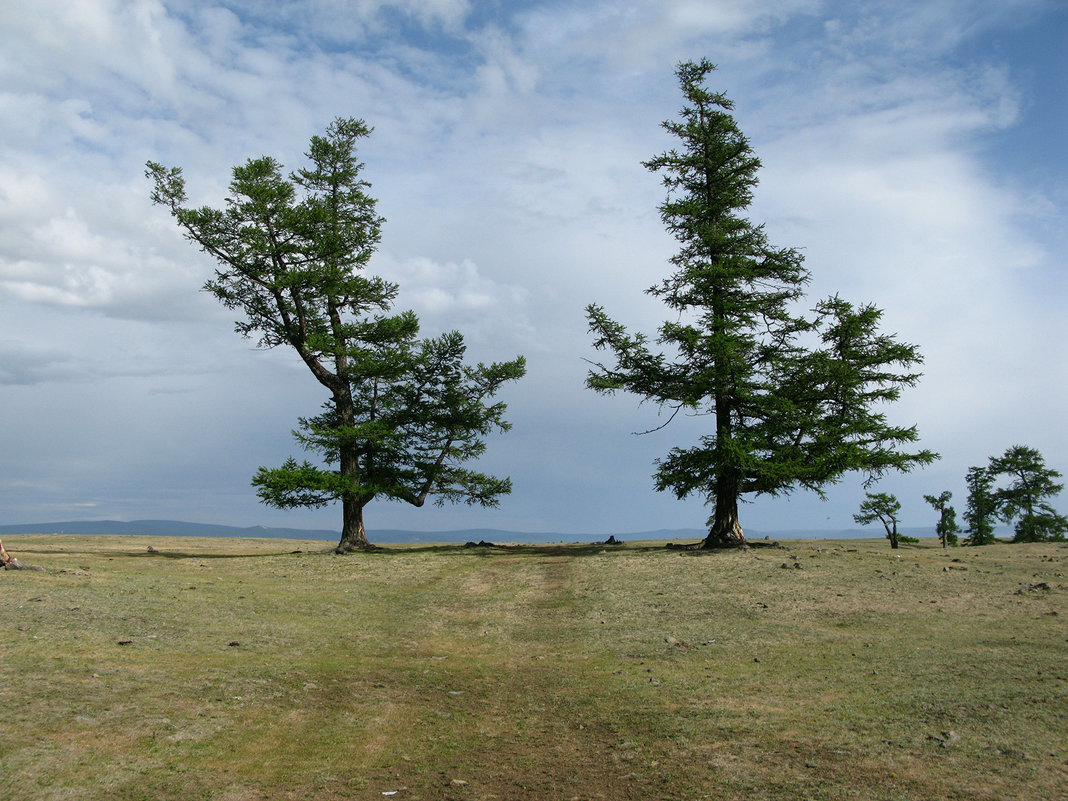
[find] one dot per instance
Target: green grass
(235, 669)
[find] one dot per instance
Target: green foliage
(884, 508)
(946, 527)
(796, 400)
(411, 435)
(981, 509)
(404, 415)
(1026, 498)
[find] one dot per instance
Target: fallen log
(9, 562)
(15, 564)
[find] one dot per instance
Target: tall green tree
(403, 414)
(1026, 498)
(884, 507)
(793, 401)
(981, 509)
(946, 527)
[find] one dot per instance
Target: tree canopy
(1025, 499)
(794, 399)
(981, 509)
(946, 528)
(884, 507)
(404, 415)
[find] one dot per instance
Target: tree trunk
(725, 530)
(891, 534)
(725, 533)
(353, 534)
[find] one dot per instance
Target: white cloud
(452, 295)
(507, 158)
(104, 45)
(635, 37)
(884, 187)
(88, 246)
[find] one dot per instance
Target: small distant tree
(981, 509)
(1026, 498)
(946, 528)
(404, 415)
(884, 507)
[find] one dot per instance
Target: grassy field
(264, 669)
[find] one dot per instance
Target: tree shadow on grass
(489, 550)
(165, 554)
(483, 550)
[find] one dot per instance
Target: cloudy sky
(915, 151)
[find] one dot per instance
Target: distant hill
(177, 528)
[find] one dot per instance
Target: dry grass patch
(241, 669)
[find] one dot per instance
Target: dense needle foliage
(404, 414)
(1025, 499)
(795, 400)
(946, 528)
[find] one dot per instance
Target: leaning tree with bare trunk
(884, 507)
(794, 400)
(403, 414)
